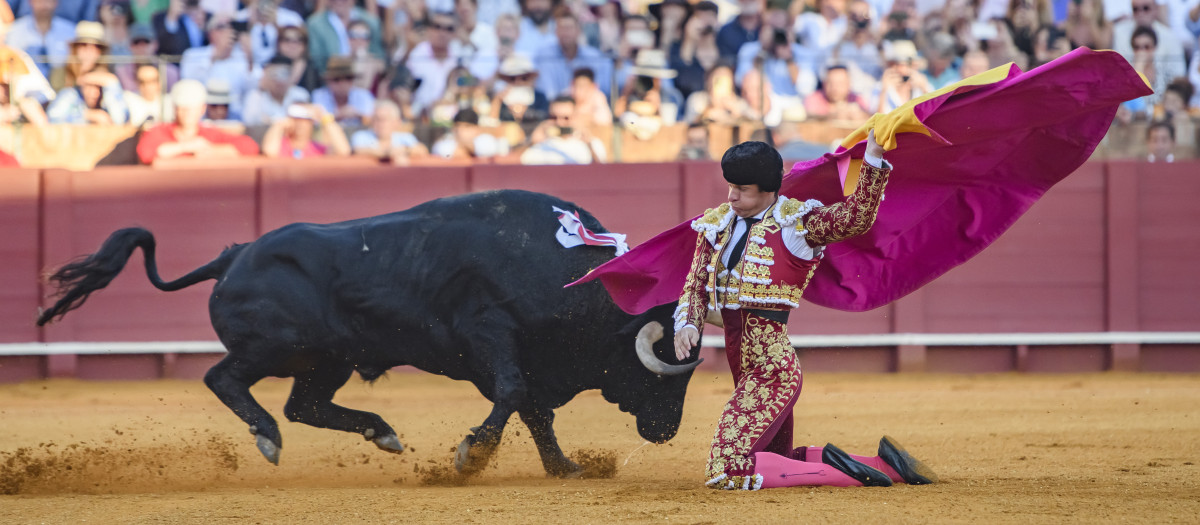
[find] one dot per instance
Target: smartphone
(984, 31)
(240, 26)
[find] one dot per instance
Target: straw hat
(89, 33)
(339, 67)
(188, 93)
(218, 92)
(652, 63)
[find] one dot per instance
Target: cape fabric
(968, 160)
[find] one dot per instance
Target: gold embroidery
(853, 216)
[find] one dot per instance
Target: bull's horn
(647, 336)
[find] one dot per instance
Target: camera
(706, 30)
(191, 3)
(780, 37)
(240, 26)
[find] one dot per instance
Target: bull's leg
(231, 380)
(501, 372)
(311, 403)
(540, 421)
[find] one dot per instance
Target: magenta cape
(1003, 144)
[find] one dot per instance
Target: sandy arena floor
(1009, 449)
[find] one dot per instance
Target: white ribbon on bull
(573, 233)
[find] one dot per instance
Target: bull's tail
(76, 280)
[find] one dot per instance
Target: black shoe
(911, 469)
(868, 476)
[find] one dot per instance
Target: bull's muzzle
(646, 337)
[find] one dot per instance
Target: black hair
(563, 98)
(585, 72)
(1183, 87)
(1142, 30)
(466, 116)
(279, 60)
(1163, 125)
(753, 162)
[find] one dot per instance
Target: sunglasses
(360, 35)
(1144, 8)
(520, 78)
(341, 79)
(140, 41)
(442, 27)
(291, 40)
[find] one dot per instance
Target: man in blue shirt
(557, 62)
(741, 30)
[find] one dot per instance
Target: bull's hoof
(568, 470)
(470, 459)
(268, 448)
(389, 443)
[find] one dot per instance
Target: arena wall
(1110, 249)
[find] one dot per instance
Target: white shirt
(432, 72)
(197, 63)
(262, 109)
(340, 29)
(24, 35)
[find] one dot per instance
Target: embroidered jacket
(769, 277)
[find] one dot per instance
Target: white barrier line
(714, 341)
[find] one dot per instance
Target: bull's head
(647, 380)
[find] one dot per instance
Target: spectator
(741, 30)
(638, 37)
(1168, 52)
(292, 136)
(400, 88)
(899, 22)
(368, 68)
(432, 61)
(940, 54)
(591, 106)
(73, 11)
(187, 136)
(87, 49)
(696, 146)
(557, 61)
(1086, 25)
(974, 63)
(1000, 46)
(217, 102)
(143, 11)
(835, 101)
(385, 126)
(1049, 43)
(1174, 110)
(558, 141)
(671, 15)
(265, 21)
(42, 34)
(478, 36)
(537, 27)
(116, 17)
(789, 69)
(491, 10)
(1160, 142)
(227, 57)
(719, 104)
(792, 145)
(824, 29)
(96, 98)
(1145, 62)
(405, 26)
(349, 105)
(605, 32)
(859, 50)
(467, 141)
(144, 50)
(643, 93)
(180, 27)
(901, 82)
(293, 44)
(1023, 22)
(518, 101)
(697, 53)
(508, 31)
(274, 94)
(22, 86)
(328, 32)
(147, 104)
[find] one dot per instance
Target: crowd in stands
(545, 81)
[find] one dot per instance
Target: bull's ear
(661, 313)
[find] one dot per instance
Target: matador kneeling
(754, 256)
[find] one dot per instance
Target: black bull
(470, 287)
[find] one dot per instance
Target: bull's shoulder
(714, 219)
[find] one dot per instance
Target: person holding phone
(227, 57)
(262, 21)
(901, 81)
(180, 27)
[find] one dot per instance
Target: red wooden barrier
(19, 290)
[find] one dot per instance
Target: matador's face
(747, 200)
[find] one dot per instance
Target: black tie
(740, 245)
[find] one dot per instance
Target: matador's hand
(685, 339)
(873, 147)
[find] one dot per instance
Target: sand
(1009, 449)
